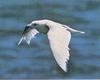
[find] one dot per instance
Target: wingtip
(18, 44)
(20, 41)
(64, 68)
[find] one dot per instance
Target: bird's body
(59, 36)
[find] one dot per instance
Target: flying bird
(59, 36)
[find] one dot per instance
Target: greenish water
(36, 60)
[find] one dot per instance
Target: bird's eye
(34, 24)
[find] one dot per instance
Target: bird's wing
(59, 40)
(28, 34)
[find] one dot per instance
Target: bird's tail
(74, 30)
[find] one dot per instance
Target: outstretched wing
(28, 34)
(59, 39)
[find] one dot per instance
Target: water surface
(36, 60)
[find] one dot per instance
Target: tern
(59, 36)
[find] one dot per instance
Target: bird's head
(32, 29)
(40, 25)
(38, 22)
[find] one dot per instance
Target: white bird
(59, 36)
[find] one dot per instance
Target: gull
(59, 36)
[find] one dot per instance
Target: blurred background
(36, 60)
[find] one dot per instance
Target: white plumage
(59, 37)
(59, 45)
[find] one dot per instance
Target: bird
(59, 36)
